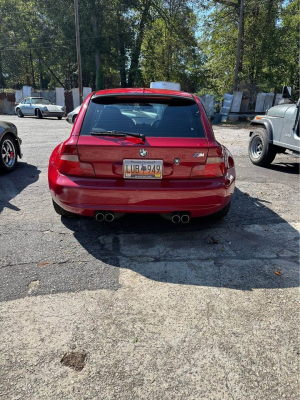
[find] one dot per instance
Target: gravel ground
(142, 308)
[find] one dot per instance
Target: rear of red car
(141, 151)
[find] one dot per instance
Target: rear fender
(264, 123)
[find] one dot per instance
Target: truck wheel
(261, 152)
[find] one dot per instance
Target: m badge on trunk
(143, 152)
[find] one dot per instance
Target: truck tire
(261, 151)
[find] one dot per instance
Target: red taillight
(214, 167)
(69, 163)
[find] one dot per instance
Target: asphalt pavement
(144, 309)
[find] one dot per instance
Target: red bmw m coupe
(141, 151)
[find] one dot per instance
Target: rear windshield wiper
(118, 134)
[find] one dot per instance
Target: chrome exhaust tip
(185, 218)
(176, 219)
(109, 217)
(99, 216)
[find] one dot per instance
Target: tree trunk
(122, 56)
(98, 74)
(32, 69)
(136, 51)
(239, 52)
(2, 81)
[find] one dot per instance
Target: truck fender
(266, 124)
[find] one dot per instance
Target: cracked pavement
(204, 311)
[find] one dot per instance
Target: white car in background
(71, 117)
(39, 107)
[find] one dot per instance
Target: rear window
(152, 117)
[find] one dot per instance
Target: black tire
(222, 213)
(260, 150)
(8, 154)
(19, 113)
(39, 114)
(59, 118)
(61, 211)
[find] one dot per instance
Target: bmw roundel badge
(143, 152)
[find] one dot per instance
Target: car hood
(54, 108)
(280, 110)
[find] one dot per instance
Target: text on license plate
(142, 169)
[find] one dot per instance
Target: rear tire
(39, 114)
(8, 154)
(60, 211)
(222, 213)
(19, 113)
(261, 151)
(59, 118)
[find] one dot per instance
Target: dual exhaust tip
(104, 216)
(177, 218)
(108, 216)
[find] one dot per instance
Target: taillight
(214, 167)
(69, 163)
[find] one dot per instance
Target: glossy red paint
(199, 186)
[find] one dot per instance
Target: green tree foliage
(270, 45)
(133, 42)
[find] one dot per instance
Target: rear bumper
(84, 196)
(52, 114)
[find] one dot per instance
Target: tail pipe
(176, 218)
(107, 216)
(99, 216)
(185, 218)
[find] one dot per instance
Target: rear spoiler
(117, 96)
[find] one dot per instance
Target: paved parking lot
(205, 311)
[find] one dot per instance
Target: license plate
(142, 169)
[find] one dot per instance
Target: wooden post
(239, 46)
(78, 50)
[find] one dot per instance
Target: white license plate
(142, 169)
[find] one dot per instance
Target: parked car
(71, 117)
(274, 133)
(10, 147)
(167, 162)
(39, 107)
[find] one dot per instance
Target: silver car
(274, 133)
(73, 115)
(39, 107)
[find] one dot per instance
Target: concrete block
(236, 101)
(260, 101)
(76, 98)
(227, 101)
(268, 101)
(26, 91)
(208, 102)
(86, 91)
(60, 96)
(19, 96)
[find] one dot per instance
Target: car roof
(142, 91)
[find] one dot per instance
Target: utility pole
(78, 50)
(239, 45)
